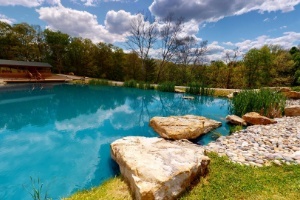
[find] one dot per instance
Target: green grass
(265, 101)
(199, 89)
(130, 83)
(297, 88)
(225, 180)
(236, 128)
(98, 82)
(166, 86)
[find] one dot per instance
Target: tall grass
(130, 83)
(265, 101)
(296, 88)
(199, 89)
(98, 82)
(36, 191)
(166, 86)
(145, 86)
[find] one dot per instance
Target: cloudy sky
(226, 24)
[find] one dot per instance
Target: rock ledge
(156, 168)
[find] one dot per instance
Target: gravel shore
(260, 145)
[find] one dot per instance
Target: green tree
(252, 64)
(57, 43)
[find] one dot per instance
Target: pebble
(261, 145)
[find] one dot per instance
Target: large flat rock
(156, 168)
(183, 127)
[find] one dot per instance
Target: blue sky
(226, 24)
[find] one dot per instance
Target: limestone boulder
(292, 111)
(156, 168)
(236, 120)
(255, 118)
(183, 127)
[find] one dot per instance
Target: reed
(265, 101)
(166, 86)
(98, 82)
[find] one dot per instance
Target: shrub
(145, 86)
(98, 82)
(265, 101)
(166, 86)
(196, 88)
(233, 129)
(131, 83)
(297, 88)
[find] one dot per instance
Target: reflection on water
(61, 133)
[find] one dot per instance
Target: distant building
(24, 69)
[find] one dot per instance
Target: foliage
(166, 86)
(225, 180)
(233, 129)
(145, 86)
(37, 190)
(98, 82)
(196, 88)
(297, 88)
(182, 59)
(264, 101)
(131, 83)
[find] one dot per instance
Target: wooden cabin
(24, 69)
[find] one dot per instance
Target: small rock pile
(260, 145)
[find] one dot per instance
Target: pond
(59, 134)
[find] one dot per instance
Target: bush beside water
(166, 86)
(265, 101)
(98, 82)
(199, 89)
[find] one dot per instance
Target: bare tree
(143, 37)
(190, 52)
(169, 36)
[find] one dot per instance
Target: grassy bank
(225, 180)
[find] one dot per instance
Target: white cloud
(267, 20)
(6, 19)
(218, 52)
(89, 2)
(288, 40)
(28, 3)
(214, 10)
(77, 23)
(118, 21)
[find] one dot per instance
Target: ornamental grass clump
(98, 82)
(166, 86)
(265, 102)
(131, 83)
(199, 89)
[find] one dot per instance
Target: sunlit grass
(225, 180)
(265, 101)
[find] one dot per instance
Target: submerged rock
(156, 168)
(183, 127)
(257, 119)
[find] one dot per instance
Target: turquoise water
(60, 134)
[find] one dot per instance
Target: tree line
(179, 59)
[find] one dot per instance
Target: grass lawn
(225, 180)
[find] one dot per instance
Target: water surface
(60, 134)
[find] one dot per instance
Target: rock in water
(183, 127)
(236, 120)
(156, 168)
(256, 119)
(292, 111)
